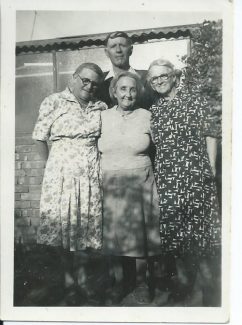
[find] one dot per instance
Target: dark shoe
(143, 294)
(114, 295)
(75, 296)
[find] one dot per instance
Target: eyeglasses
(87, 82)
(163, 77)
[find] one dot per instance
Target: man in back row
(119, 49)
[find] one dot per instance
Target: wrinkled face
(162, 79)
(118, 51)
(126, 92)
(85, 84)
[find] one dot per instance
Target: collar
(167, 100)
(111, 73)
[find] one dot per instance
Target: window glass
(34, 81)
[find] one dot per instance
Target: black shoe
(75, 296)
(114, 295)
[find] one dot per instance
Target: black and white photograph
(119, 154)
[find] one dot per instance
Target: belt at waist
(72, 141)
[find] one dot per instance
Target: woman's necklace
(124, 114)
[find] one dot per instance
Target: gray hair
(89, 65)
(163, 63)
(113, 84)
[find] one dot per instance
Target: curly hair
(163, 63)
(113, 84)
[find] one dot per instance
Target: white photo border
(104, 314)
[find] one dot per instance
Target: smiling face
(162, 80)
(126, 93)
(85, 84)
(118, 50)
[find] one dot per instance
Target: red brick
(23, 156)
(17, 196)
(35, 188)
(35, 222)
(30, 196)
(27, 140)
(22, 222)
(33, 213)
(23, 148)
(25, 212)
(18, 165)
(36, 213)
(17, 156)
(33, 156)
(34, 172)
(22, 204)
(23, 180)
(34, 204)
(35, 180)
(30, 213)
(33, 164)
(20, 172)
(17, 213)
(21, 189)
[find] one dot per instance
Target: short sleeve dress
(130, 200)
(190, 217)
(71, 203)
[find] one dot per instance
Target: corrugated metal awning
(97, 40)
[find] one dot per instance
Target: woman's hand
(43, 149)
(212, 153)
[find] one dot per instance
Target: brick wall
(29, 170)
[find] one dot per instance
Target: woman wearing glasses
(184, 133)
(70, 207)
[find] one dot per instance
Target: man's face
(162, 79)
(86, 84)
(118, 50)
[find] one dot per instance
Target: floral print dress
(71, 203)
(190, 218)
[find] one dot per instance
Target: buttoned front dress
(71, 202)
(190, 217)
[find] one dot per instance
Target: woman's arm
(212, 152)
(43, 149)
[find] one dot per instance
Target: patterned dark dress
(190, 218)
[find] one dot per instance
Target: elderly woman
(131, 211)
(185, 134)
(71, 206)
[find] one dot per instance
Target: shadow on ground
(38, 282)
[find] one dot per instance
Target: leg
(185, 282)
(129, 274)
(116, 292)
(144, 292)
(166, 271)
(141, 270)
(74, 277)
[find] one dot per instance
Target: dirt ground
(38, 282)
